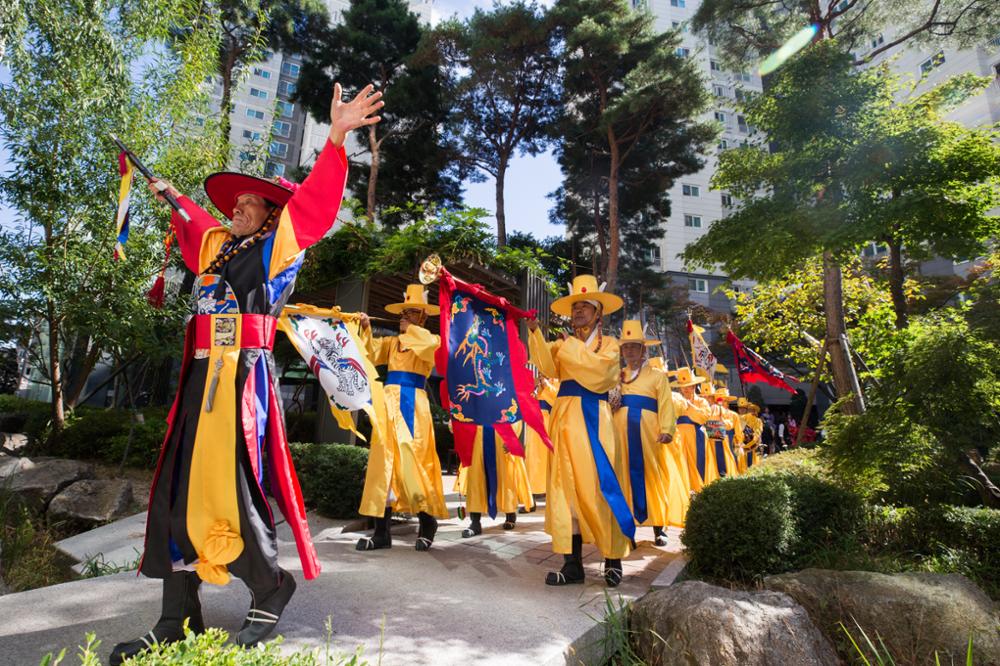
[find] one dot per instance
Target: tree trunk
(226, 66)
(844, 377)
(55, 374)
(614, 236)
(501, 216)
(600, 256)
(896, 278)
(988, 492)
(82, 375)
(372, 172)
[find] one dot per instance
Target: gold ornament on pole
(430, 269)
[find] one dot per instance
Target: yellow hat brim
(397, 308)
(648, 343)
(564, 305)
(694, 382)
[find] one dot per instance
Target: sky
(529, 179)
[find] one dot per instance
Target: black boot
(510, 522)
(428, 528)
(381, 538)
(265, 611)
(180, 602)
(475, 527)
(572, 569)
(612, 572)
(661, 536)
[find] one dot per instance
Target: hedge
(332, 476)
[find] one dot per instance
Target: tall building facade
(694, 205)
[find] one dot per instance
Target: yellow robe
(574, 488)
(537, 456)
(750, 446)
(732, 421)
(512, 479)
(676, 446)
(410, 470)
(698, 411)
(666, 496)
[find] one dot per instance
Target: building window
(287, 109)
(680, 26)
(741, 95)
(200, 121)
(255, 113)
(727, 200)
(698, 285)
(720, 116)
(258, 93)
(262, 73)
(274, 169)
(282, 128)
(934, 61)
(693, 221)
(287, 88)
(682, 51)
(724, 144)
(878, 41)
(253, 136)
(691, 190)
(714, 65)
(290, 69)
(247, 156)
(279, 149)
(718, 91)
(653, 255)
(742, 123)
(744, 77)
(677, 3)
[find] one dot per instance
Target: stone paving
(480, 600)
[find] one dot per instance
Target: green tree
(78, 71)
(627, 97)
(747, 30)
(505, 89)
(380, 42)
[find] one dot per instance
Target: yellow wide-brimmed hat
(585, 288)
(743, 403)
(656, 363)
(722, 393)
(684, 377)
(632, 332)
(415, 298)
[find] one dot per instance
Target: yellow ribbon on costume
(213, 516)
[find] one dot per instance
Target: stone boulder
(699, 624)
(11, 465)
(12, 441)
(92, 502)
(38, 484)
(915, 614)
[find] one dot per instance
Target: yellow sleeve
(540, 354)
(377, 348)
(699, 410)
(665, 406)
(420, 341)
(737, 429)
(597, 371)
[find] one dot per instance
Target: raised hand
(348, 116)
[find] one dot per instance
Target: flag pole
(148, 175)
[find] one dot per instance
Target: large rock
(699, 624)
(38, 484)
(12, 441)
(915, 614)
(92, 501)
(11, 465)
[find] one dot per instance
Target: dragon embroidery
(475, 349)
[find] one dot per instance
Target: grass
(875, 653)
(30, 558)
(96, 566)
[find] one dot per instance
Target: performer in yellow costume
(725, 432)
(585, 500)
(753, 428)
(537, 456)
(496, 480)
(645, 424)
(691, 417)
(410, 479)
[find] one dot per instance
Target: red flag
(754, 368)
(484, 365)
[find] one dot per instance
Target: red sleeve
(190, 234)
(313, 209)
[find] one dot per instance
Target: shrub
(332, 476)
(741, 528)
(144, 451)
(796, 461)
(744, 528)
(210, 649)
(28, 416)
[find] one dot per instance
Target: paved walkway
(480, 600)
